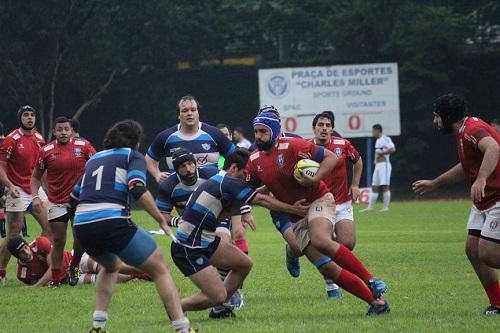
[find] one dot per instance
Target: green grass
(416, 247)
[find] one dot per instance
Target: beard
(263, 146)
(26, 128)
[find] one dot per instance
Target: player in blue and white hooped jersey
(103, 226)
(199, 247)
(206, 142)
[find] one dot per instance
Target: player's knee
(348, 242)
(321, 243)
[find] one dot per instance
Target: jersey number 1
(98, 172)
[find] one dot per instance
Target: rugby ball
(309, 167)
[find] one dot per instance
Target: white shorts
(488, 221)
(84, 264)
(22, 203)
(343, 211)
(382, 174)
(56, 210)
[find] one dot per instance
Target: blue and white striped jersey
(104, 189)
(206, 145)
(174, 193)
(219, 194)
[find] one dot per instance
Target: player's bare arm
(299, 208)
(35, 183)
(357, 170)
(491, 151)
(47, 276)
(5, 181)
(154, 170)
(325, 168)
(451, 176)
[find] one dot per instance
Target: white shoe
(385, 209)
(367, 209)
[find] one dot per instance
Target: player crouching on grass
(272, 165)
(33, 261)
(200, 249)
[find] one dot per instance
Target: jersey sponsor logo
(339, 142)
(254, 156)
(280, 160)
(48, 147)
(206, 146)
(338, 151)
(79, 143)
(259, 168)
(21, 146)
(78, 152)
(202, 160)
(199, 261)
(493, 225)
(283, 145)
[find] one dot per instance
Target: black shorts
(225, 224)
(189, 260)
(111, 235)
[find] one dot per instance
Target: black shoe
(492, 310)
(220, 311)
(378, 309)
(73, 276)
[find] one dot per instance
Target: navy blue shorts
(281, 221)
(225, 224)
(107, 240)
(189, 260)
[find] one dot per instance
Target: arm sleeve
(351, 152)
(7, 148)
(224, 146)
(90, 150)
(40, 162)
(44, 245)
(237, 189)
(389, 143)
(164, 199)
(252, 180)
(156, 150)
(307, 149)
(136, 168)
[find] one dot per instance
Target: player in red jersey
(337, 181)
(18, 155)
(63, 160)
(478, 146)
(272, 165)
(33, 262)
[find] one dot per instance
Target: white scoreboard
(359, 96)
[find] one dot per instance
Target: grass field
(416, 247)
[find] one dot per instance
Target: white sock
(100, 318)
(387, 199)
(181, 325)
(373, 199)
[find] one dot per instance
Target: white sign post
(359, 96)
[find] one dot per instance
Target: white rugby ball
(307, 166)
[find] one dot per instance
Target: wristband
(245, 209)
(174, 221)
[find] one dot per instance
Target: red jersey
(20, 152)
(65, 164)
(468, 137)
(32, 271)
(337, 181)
(274, 168)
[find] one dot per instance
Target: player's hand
(354, 192)
(166, 229)
(249, 220)
(306, 180)
(162, 176)
(423, 186)
(477, 190)
(301, 207)
(14, 192)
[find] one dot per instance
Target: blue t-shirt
(219, 194)
(206, 145)
(174, 193)
(104, 189)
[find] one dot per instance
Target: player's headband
(271, 121)
(14, 245)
